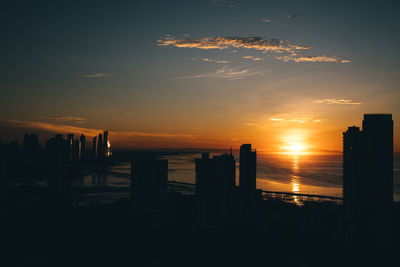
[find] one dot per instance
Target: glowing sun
(294, 145)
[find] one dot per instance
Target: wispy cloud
(256, 43)
(293, 15)
(66, 119)
(267, 20)
(63, 129)
(281, 50)
(224, 3)
(253, 58)
(225, 73)
(95, 75)
(272, 21)
(215, 61)
(313, 59)
(333, 101)
(300, 120)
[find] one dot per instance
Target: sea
(300, 174)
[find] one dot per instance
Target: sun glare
(294, 145)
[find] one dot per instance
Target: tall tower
(106, 145)
(368, 181)
(83, 147)
(70, 146)
(75, 150)
(215, 181)
(149, 182)
(247, 171)
(100, 148)
(94, 150)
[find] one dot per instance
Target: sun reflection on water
(295, 179)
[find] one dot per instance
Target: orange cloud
(221, 43)
(312, 59)
(118, 136)
(331, 101)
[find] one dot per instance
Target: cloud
(284, 50)
(271, 21)
(331, 101)
(95, 75)
(253, 58)
(293, 15)
(300, 120)
(225, 73)
(222, 61)
(215, 61)
(313, 59)
(221, 43)
(66, 119)
(224, 3)
(64, 129)
(267, 20)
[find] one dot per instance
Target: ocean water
(308, 174)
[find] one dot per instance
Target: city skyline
(201, 132)
(289, 77)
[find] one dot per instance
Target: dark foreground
(40, 230)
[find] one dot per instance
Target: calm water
(313, 174)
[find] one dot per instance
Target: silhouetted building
(149, 179)
(100, 148)
(70, 146)
(82, 153)
(106, 145)
(94, 149)
(247, 178)
(30, 145)
(2, 164)
(215, 181)
(57, 158)
(368, 181)
(75, 150)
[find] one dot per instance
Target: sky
(282, 75)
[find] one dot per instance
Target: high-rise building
(215, 181)
(94, 149)
(56, 161)
(106, 145)
(368, 180)
(247, 177)
(2, 164)
(70, 146)
(31, 147)
(75, 150)
(82, 154)
(149, 179)
(100, 148)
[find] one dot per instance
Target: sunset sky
(282, 75)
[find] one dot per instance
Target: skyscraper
(106, 145)
(70, 146)
(247, 177)
(31, 147)
(149, 179)
(94, 149)
(82, 154)
(215, 180)
(368, 180)
(75, 150)
(100, 148)
(56, 161)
